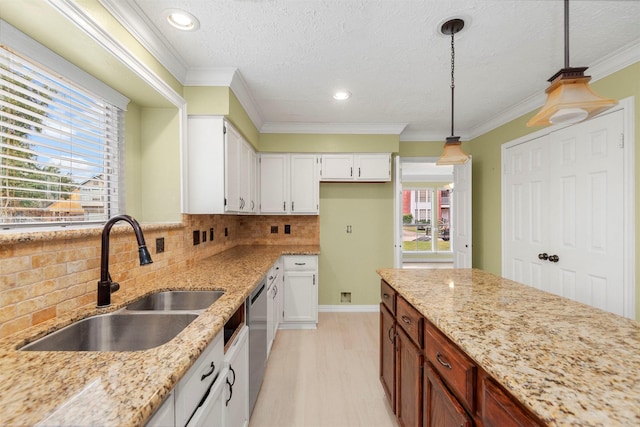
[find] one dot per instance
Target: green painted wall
(348, 262)
(160, 175)
(487, 244)
(132, 161)
(329, 143)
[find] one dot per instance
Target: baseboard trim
(344, 308)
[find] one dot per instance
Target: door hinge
(224, 130)
(621, 143)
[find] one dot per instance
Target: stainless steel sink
(115, 332)
(176, 300)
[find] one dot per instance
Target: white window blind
(60, 148)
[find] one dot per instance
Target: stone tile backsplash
(44, 275)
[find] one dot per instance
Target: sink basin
(115, 332)
(176, 300)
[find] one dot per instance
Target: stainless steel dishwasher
(257, 321)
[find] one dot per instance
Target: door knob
(554, 258)
(543, 256)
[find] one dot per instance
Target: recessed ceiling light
(342, 95)
(182, 20)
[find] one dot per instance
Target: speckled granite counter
(570, 364)
(124, 388)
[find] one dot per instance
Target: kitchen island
(567, 363)
(125, 388)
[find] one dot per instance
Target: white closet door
(586, 192)
(461, 208)
(563, 197)
(526, 215)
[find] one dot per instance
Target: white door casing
(569, 192)
(461, 211)
(397, 214)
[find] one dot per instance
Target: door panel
(564, 197)
(461, 209)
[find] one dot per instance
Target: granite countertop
(125, 388)
(569, 363)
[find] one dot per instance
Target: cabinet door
(388, 354)
(373, 167)
(247, 178)
(236, 411)
(499, 410)
(165, 415)
(440, 406)
(273, 183)
(300, 296)
(304, 183)
(337, 167)
(204, 169)
(408, 381)
(233, 150)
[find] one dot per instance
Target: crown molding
(134, 20)
(616, 61)
(334, 128)
(70, 10)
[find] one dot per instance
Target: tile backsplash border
(49, 274)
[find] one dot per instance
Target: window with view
(60, 148)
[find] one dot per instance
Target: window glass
(60, 148)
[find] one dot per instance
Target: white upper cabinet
(347, 167)
(220, 168)
(289, 184)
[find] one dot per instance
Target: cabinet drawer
(194, 384)
(410, 320)
(388, 296)
(456, 369)
(302, 262)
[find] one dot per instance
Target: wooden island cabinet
(430, 382)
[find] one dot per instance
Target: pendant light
(569, 96)
(453, 154)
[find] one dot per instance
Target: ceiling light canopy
(182, 20)
(453, 154)
(569, 96)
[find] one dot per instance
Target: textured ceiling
(293, 54)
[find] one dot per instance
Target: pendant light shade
(453, 154)
(569, 96)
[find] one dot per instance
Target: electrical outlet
(196, 237)
(226, 232)
(274, 229)
(287, 229)
(204, 236)
(345, 297)
(211, 234)
(159, 245)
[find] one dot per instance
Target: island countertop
(125, 388)
(569, 363)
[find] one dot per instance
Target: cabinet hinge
(225, 201)
(224, 130)
(621, 143)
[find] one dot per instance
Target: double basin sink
(146, 323)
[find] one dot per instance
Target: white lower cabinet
(165, 415)
(274, 302)
(300, 292)
(236, 391)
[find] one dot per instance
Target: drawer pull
(385, 296)
(406, 320)
(389, 335)
(442, 362)
(213, 368)
(301, 263)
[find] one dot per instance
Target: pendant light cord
(566, 33)
(453, 57)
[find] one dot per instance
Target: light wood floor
(325, 377)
